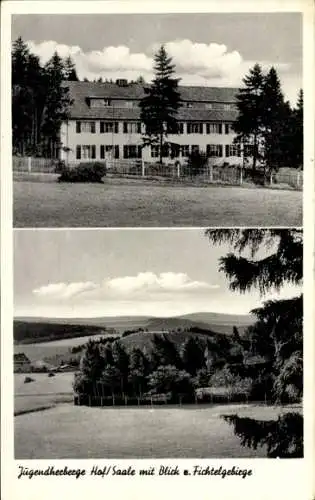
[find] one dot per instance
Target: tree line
(40, 101)
(267, 125)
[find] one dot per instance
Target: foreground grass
(66, 431)
(125, 203)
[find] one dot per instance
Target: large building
(105, 122)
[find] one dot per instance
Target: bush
(84, 172)
(27, 380)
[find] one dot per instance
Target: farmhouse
(21, 363)
(104, 123)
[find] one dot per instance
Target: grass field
(125, 203)
(64, 431)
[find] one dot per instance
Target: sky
(95, 273)
(208, 49)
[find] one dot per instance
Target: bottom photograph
(171, 343)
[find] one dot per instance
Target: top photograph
(157, 120)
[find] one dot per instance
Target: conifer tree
(70, 72)
(160, 103)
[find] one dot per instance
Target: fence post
(271, 179)
(210, 172)
(241, 176)
(143, 168)
(178, 169)
(29, 164)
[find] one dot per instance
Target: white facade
(98, 143)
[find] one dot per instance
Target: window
(195, 148)
(175, 151)
(232, 150)
(106, 150)
(184, 150)
(188, 104)
(86, 152)
(155, 151)
(228, 128)
(248, 150)
(109, 127)
(214, 150)
(214, 128)
(227, 107)
(194, 128)
(208, 105)
(180, 127)
(132, 151)
(132, 127)
(87, 127)
(99, 103)
(130, 104)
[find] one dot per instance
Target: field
(128, 203)
(64, 431)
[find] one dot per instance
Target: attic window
(99, 102)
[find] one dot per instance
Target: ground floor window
(132, 151)
(184, 150)
(107, 150)
(86, 152)
(215, 150)
(232, 150)
(155, 151)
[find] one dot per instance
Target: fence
(211, 174)
(160, 400)
(33, 165)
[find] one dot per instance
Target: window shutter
(227, 128)
(78, 127)
(102, 128)
(93, 152)
(220, 150)
(125, 128)
(139, 127)
(220, 128)
(227, 150)
(92, 127)
(139, 152)
(125, 152)
(78, 153)
(116, 127)
(102, 152)
(116, 151)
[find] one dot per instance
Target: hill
(27, 332)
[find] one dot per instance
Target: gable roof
(21, 357)
(81, 91)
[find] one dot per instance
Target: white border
(289, 479)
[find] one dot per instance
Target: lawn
(48, 426)
(128, 203)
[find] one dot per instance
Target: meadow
(48, 426)
(128, 203)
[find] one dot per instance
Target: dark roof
(81, 91)
(21, 357)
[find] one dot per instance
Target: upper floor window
(227, 106)
(194, 128)
(87, 127)
(99, 102)
(208, 105)
(228, 128)
(180, 126)
(214, 128)
(132, 127)
(187, 104)
(108, 127)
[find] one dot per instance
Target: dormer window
(99, 102)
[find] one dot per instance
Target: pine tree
(297, 139)
(279, 323)
(57, 104)
(193, 355)
(160, 104)
(274, 117)
(248, 125)
(70, 72)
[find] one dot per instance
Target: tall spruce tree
(297, 138)
(160, 104)
(282, 265)
(248, 125)
(57, 104)
(70, 72)
(274, 118)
